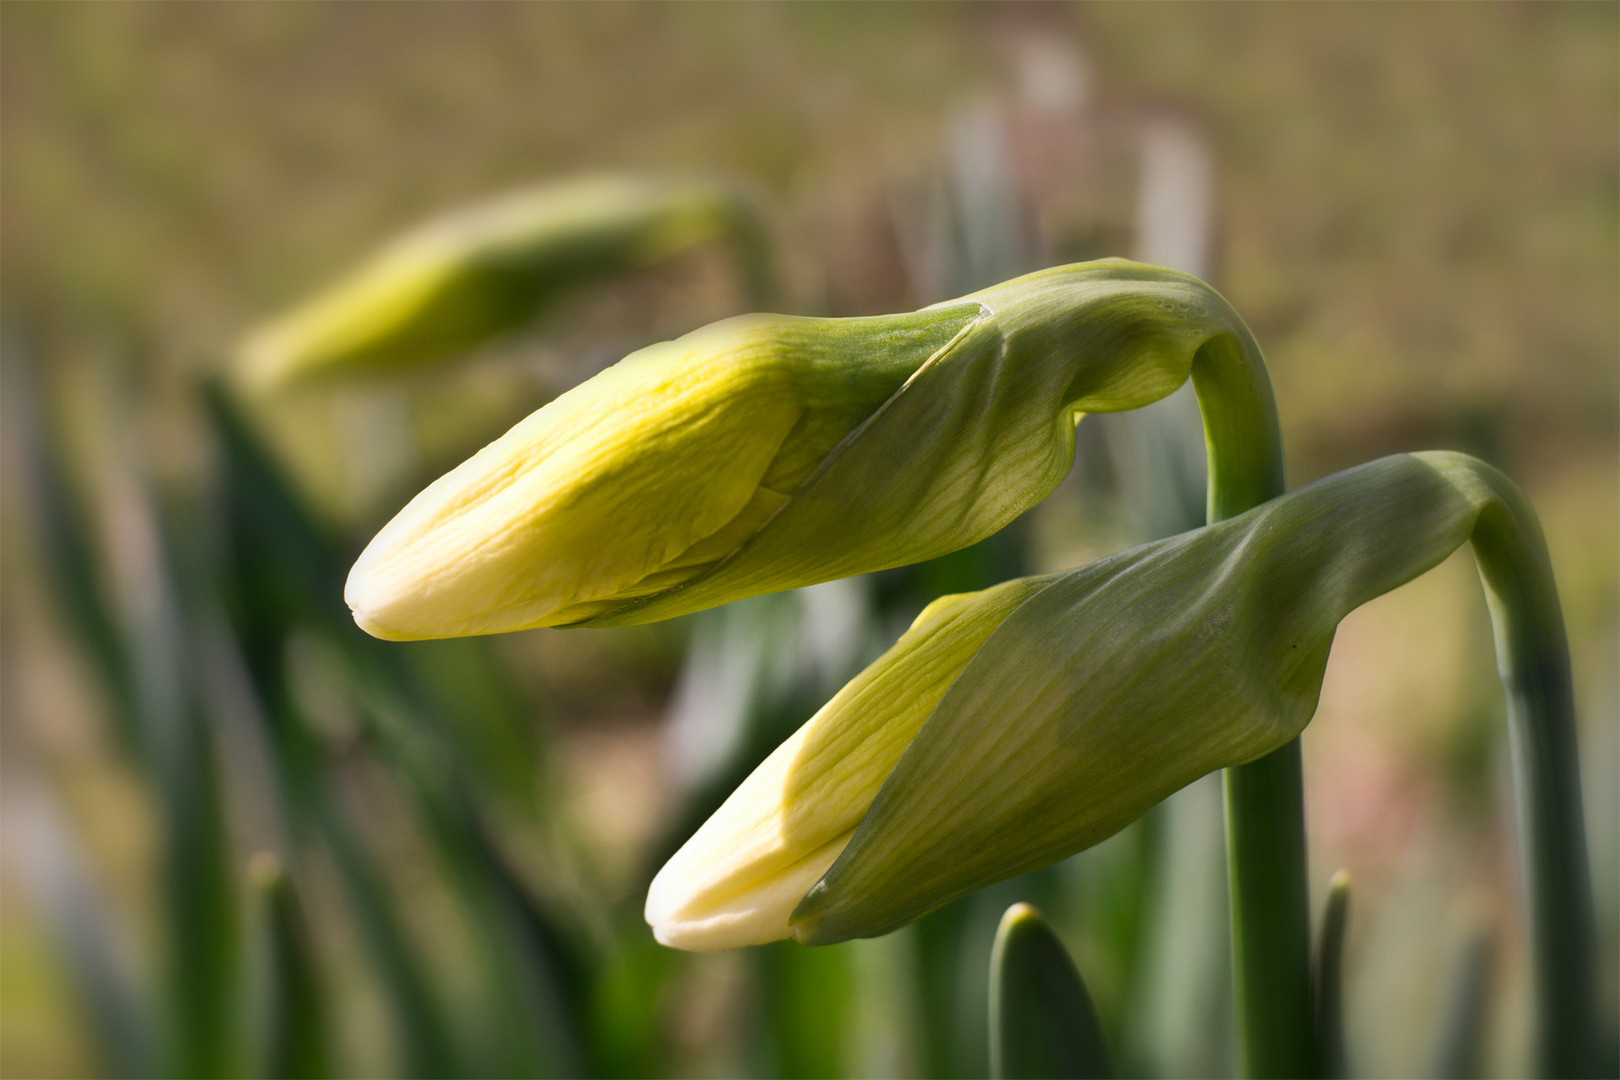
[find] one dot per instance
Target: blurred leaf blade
(201, 912)
(119, 1021)
(73, 566)
(425, 1041)
(806, 996)
(1459, 1037)
(294, 1040)
(1330, 979)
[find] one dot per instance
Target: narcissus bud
(488, 268)
(739, 877)
(767, 452)
(1011, 728)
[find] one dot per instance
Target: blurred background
(239, 837)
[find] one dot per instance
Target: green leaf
(1330, 979)
(292, 1008)
(1042, 1023)
(1459, 1037)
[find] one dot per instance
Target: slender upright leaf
(1042, 1023)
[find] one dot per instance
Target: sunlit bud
(1084, 699)
(767, 452)
(488, 268)
(739, 877)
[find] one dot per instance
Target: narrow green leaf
(1458, 1051)
(278, 574)
(1330, 979)
(292, 1016)
(804, 1011)
(118, 1017)
(66, 544)
(1042, 1023)
(423, 1033)
(200, 906)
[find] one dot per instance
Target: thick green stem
(1532, 655)
(1265, 801)
(1271, 925)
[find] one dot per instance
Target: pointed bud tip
(1019, 913)
(682, 923)
(376, 607)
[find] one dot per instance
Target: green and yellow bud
(470, 276)
(1077, 701)
(736, 881)
(768, 452)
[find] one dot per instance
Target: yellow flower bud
(478, 272)
(638, 480)
(766, 453)
(1013, 727)
(736, 881)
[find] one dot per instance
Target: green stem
(1271, 926)
(1532, 656)
(1265, 800)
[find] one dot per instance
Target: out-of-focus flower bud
(1079, 701)
(489, 268)
(766, 453)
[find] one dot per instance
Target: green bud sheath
(767, 453)
(1122, 681)
(472, 275)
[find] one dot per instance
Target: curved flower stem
(1532, 655)
(1265, 801)
(1264, 798)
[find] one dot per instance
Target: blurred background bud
(492, 267)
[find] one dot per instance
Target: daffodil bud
(1076, 702)
(467, 277)
(767, 452)
(737, 879)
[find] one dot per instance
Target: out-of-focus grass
(1418, 209)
